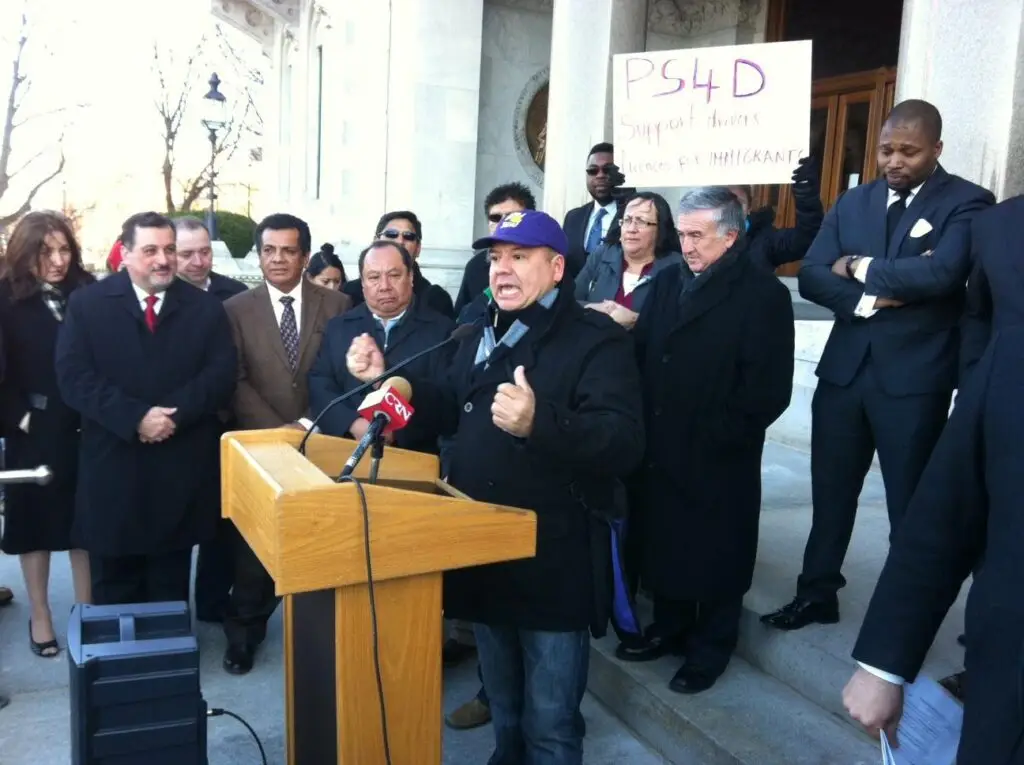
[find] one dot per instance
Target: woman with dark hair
(616, 277)
(43, 266)
(325, 268)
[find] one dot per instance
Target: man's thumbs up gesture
(514, 405)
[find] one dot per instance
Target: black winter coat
(135, 498)
(587, 431)
(38, 517)
(419, 329)
(717, 370)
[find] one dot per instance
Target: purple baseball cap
(528, 228)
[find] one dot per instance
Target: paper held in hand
(737, 114)
(929, 732)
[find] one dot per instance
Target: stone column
(585, 35)
(964, 56)
(433, 106)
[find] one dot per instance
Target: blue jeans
(535, 681)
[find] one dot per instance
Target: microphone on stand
(388, 410)
(458, 334)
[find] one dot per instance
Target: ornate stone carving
(286, 10)
(694, 18)
(530, 125)
(245, 17)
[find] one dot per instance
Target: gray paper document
(929, 732)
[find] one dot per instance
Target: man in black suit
(994, 299)
(890, 261)
(588, 225)
(501, 200)
(149, 362)
(214, 565)
(965, 516)
(194, 255)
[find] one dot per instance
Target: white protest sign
(735, 114)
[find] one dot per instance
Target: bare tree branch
(18, 89)
(6, 220)
(50, 113)
(172, 105)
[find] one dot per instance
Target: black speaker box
(135, 697)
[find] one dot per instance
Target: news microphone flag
(387, 410)
(391, 400)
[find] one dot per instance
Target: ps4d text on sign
(736, 114)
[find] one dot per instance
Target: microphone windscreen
(463, 331)
(401, 385)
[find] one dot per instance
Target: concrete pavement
(35, 728)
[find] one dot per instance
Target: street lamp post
(214, 120)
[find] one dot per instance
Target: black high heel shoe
(43, 650)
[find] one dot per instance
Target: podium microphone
(458, 334)
(388, 410)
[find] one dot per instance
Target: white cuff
(860, 273)
(865, 307)
(881, 673)
(23, 425)
(305, 422)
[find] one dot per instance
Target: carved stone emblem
(531, 125)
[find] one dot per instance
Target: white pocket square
(921, 227)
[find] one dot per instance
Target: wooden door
(846, 116)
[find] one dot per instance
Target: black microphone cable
(214, 712)
(373, 612)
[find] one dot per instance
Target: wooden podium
(309, 533)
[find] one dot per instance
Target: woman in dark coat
(618, 275)
(43, 265)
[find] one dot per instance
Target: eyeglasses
(495, 217)
(629, 221)
(405, 236)
(594, 170)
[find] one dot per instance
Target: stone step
(747, 718)
(816, 661)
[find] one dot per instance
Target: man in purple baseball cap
(543, 402)
(527, 258)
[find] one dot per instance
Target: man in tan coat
(277, 328)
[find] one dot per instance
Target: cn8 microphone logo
(396, 405)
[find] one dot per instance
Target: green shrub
(237, 231)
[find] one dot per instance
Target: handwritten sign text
(729, 115)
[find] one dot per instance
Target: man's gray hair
(188, 223)
(728, 212)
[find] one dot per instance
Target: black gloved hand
(805, 177)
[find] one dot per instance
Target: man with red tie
(149, 362)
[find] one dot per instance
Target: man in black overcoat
(215, 562)
(964, 517)
(891, 261)
(149, 362)
(715, 341)
(544, 404)
(994, 296)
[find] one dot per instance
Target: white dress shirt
(278, 306)
(606, 223)
(866, 305)
(141, 295)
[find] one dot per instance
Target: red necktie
(151, 312)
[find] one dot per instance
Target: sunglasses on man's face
(394, 233)
(495, 217)
(596, 169)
